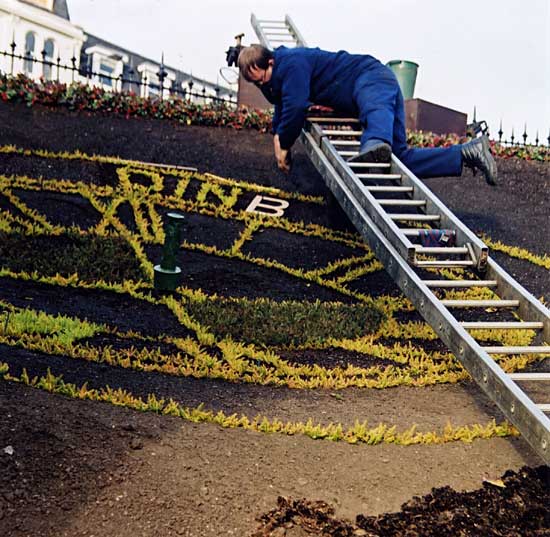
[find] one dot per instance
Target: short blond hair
(253, 56)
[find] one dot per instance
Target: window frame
(49, 60)
(29, 55)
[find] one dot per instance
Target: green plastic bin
(405, 71)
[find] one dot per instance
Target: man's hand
(283, 157)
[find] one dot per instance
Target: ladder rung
(287, 33)
(333, 119)
(376, 176)
(545, 349)
(369, 164)
(417, 217)
(390, 188)
(412, 232)
(544, 407)
(502, 325)
(346, 142)
(529, 376)
(444, 263)
(282, 40)
(441, 250)
(402, 203)
(329, 132)
(480, 303)
(348, 153)
(460, 283)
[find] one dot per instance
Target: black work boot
(373, 150)
(477, 156)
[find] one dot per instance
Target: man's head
(256, 64)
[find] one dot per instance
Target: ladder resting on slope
(391, 208)
(368, 193)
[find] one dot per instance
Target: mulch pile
(514, 506)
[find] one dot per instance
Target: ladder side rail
(300, 41)
(264, 41)
(512, 401)
(529, 307)
(316, 132)
(380, 217)
(448, 219)
(368, 201)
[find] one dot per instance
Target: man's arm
(276, 118)
(294, 103)
(283, 157)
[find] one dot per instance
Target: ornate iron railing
(126, 81)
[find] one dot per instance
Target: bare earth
(80, 468)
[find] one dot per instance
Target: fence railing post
(73, 62)
(12, 46)
(31, 66)
(162, 75)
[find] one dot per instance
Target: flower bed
(94, 99)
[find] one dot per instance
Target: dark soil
(76, 468)
(514, 506)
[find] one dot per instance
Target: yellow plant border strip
(203, 335)
(358, 272)
(512, 251)
(420, 330)
(205, 177)
(234, 365)
(256, 187)
(517, 252)
(308, 276)
(360, 433)
(172, 202)
(137, 194)
(35, 217)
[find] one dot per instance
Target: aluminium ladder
(273, 33)
(370, 194)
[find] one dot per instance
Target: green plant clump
(107, 258)
(287, 323)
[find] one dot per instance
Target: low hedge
(285, 324)
(82, 97)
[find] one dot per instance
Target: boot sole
(381, 153)
(492, 163)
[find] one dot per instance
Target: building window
(106, 65)
(106, 72)
(150, 81)
(28, 62)
(45, 4)
(48, 55)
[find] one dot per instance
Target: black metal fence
(521, 140)
(127, 81)
(513, 141)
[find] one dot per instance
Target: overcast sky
(494, 54)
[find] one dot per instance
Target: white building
(46, 40)
(40, 29)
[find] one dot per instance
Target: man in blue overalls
(359, 86)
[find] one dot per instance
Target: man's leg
(441, 161)
(426, 162)
(375, 94)
(382, 115)
(423, 162)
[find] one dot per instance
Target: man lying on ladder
(359, 86)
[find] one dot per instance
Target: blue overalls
(355, 85)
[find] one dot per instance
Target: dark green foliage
(288, 323)
(93, 258)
